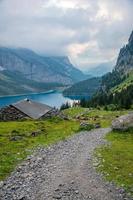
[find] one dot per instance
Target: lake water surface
(52, 99)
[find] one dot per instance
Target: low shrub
(86, 127)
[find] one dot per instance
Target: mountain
(39, 68)
(100, 70)
(125, 59)
(15, 83)
(117, 86)
(84, 88)
(123, 67)
(128, 81)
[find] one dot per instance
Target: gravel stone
(62, 171)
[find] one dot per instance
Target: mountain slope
(117, 87)
(123, 68)
(83, 88)
(40, 68)
(125, 59)
(15, 83)
(101, 69)
(124, 84)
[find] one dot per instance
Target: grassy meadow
(94, 116)
(49, 131)
(115, 160)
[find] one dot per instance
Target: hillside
(83, 88)
(39, 68)
(123, 67)
(15, 83)
(128, 81)
(125, 59)
(117, 86)
(100, 70)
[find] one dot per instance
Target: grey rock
(123, 122)
(125, 59)
(122, 191)
(97, 125)
(16, 138)
(57, 196)
(1, 183)
(40, 68)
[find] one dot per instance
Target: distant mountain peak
(100, 69)
(40, 68)
(124, 62)
(131, 38)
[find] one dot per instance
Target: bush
(86, 127)
(111, 107)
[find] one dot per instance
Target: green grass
(12, 152)
(55, 129)
(124, 84)
(74, 111)
(94, 116)
(116, 159)
(103, 117)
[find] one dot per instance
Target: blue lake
(53, 99)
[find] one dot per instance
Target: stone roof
(32, 109)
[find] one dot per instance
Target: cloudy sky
(88, 31)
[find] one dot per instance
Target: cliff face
(125, 59)
(39, 68)
(117, 86)
(124, 66)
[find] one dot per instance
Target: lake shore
(53, 98)
(17, 95)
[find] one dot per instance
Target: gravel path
(62, 171)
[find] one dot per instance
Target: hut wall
(9, 113)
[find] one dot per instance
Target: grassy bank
(116, 159)
(48, 132)
(103, 117)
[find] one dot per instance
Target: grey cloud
(51, 28)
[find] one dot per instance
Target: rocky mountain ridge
(12, 83)
(125, 59)
(39, 68)
(120, 73)
(117, 86)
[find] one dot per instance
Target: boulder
(16, 138)
(97, 125)
(123, 122)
